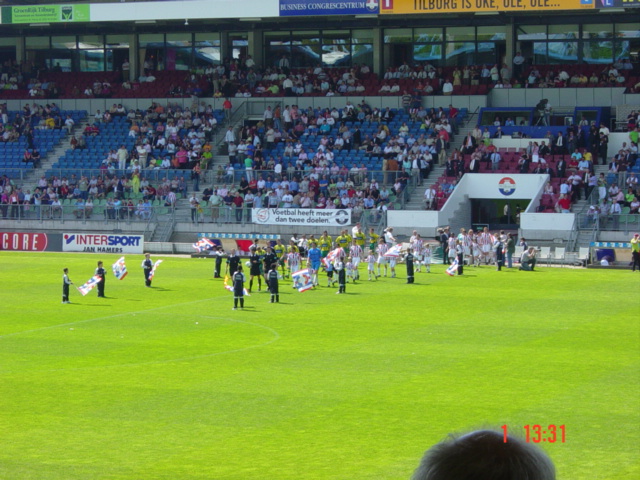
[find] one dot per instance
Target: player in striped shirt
(475, 248)
(371, 262)
(293, 258)
(356, 252)
(426, 256)
(451, 244)
(382, 260)
(485, 242)
(417, 245)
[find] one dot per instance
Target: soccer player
(325, 243)
(371, 265)
(356, 252)
(281, 250)
(373, 240)
(360, 238)
(351, 272)
(342, 277)
(314, 257)
(343, 240)
(66, 281)
(382, 260)
(417, 245)
(330, 280)
(426, 256)
(293, 258)
(147, 265)
(102, 273)
(451, 248)
(272, 282)
(254, 269)
(485, 243)
(238, 288)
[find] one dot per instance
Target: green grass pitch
(170, 383)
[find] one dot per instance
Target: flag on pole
(227, 279)
(90, 285)
(453, 268)
(203, 245)
(119, 269)
(394, 251)
(302, 280)
(153, 270)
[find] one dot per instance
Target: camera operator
(528, 260)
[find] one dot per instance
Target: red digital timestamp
(540, 434)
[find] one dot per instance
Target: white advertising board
(102, 243)
(301, 216)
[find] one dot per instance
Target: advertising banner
(100, 243)
(328, 7)
(473, 6)
(617, 3)
(26, 241)
(46, 13)
(301, 216)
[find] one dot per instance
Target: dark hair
(484, 455)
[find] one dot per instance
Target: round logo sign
(342, 217)
(507, 186)
(262, 215)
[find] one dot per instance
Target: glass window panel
(428, 52)
(91, 60)
(207, 40)
(362, 36)
(398, 35)
(91, 41)
(557, 32)
(336, 55)
(151, 40)
(273, 54)
(532, 32)
(627, 30)
(298, 39)
(62, 57)
(66, 42)
(460, 34)
(597, 31)
(540, 53)
(362, 54)
(336, 36)
(37, 43)
(8, 42)
(178, 58)
(179, 39)
(459, 53)
(425, 35)
(598, 52)
(563, 52)
(305, 55)
(492, 33)
(118, 41)
(486, 54)
(205, 56)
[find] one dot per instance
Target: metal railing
(107, 214)
(597, 222)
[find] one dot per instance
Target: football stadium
(303, 239)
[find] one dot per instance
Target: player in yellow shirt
(280, 250)
(373, 240)
(325, 244)
(344, 240)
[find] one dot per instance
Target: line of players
(266, 262)
(475, 248)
